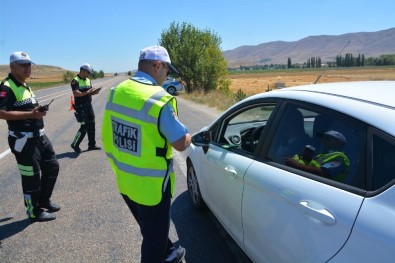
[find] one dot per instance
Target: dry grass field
(259, 82)
(40, 73)
(253, 83)
(249, 83)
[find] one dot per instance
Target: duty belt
(18, 134)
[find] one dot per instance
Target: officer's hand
(96, 91)
(290, 162)
(37, 114)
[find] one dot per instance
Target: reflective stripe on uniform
(25, 170)
(29, 206)
(128, 168)
(142, 113)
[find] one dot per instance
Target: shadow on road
(204, 239)
(71, 155)
(13, 228)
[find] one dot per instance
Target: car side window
(293, 132)
(242, 130)
(322, 143)
(383, 161)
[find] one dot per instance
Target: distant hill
(39, 73)
(371, 44)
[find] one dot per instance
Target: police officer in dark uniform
(33, 151)
(83, 91)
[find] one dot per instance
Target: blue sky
(110, 34)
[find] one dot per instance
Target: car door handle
(231, 170)
(318, 212)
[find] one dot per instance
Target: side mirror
(201, 138)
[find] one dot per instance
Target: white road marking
(5, 153)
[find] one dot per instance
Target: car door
(226, 162)
(224, 188)
(294, 216)
(373, 235)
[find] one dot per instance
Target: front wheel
(172, 90)
(194, 189)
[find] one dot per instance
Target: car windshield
(259, 114)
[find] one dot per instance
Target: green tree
(312, 61)
(68, 76)
(197, 55)
(97, 75)
(289, 63)
(339, 61)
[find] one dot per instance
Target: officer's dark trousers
(87, 125)
(154, 222)
(39, 169)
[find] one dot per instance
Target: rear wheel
(193, 188)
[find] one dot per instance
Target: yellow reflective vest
(139, 155)
(20, 94)
(83, 84)
(323, 158)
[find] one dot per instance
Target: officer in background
(332, 163)
(33, 151)
(83, 91)
(306, 156)
(140, 128)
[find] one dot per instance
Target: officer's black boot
(77, 140)
(47, 186)
(91, 137)
(52, 207)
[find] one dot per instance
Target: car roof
(368, 91)
(370, 101)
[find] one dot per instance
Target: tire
(172, 90)
(194, 189)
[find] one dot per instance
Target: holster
(78, 116)
(81, 112)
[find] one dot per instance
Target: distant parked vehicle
(172, 86)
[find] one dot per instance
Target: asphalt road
(94, 224)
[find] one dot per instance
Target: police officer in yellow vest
(140, 127)
(83, 91)
(306, 156)
(332, 163)
(33, 151)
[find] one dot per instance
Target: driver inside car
(292, 135)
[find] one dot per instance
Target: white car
(172, 86)
(250, 168)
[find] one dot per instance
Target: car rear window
(383, 161)
(301, 141)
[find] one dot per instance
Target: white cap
(157, 53)
(20, 57)
(87, 67)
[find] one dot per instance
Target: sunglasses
(25, 65)
(167, 67)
